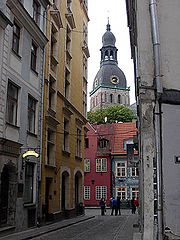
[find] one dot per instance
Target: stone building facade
(22, 46)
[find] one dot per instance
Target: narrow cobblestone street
(100, 227)
(92, 226)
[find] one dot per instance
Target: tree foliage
(116, 113)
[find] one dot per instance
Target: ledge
(66, 153)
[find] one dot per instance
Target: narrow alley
(92, 226)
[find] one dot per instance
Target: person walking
(133, 206)
(136, 202)
(102, 205)
(114, 206)
(118, 205)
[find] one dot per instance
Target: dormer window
(103, 143)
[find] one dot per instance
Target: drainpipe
(157, 117)
(41, 123)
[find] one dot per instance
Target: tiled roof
(122, 132)
(117, 133)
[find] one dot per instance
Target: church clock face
(114, 79)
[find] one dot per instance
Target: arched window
(106, 55)
(105, 97)
(111, 98)
(119, 98)
(111, 55)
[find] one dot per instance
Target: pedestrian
(136, 202)
(114, 206)
(133, 206)
(103, 206)
(110, 202)
(118, 205)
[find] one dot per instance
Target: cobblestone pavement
(92, 226)
(101, 227)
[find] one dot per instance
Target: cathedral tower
(109, 86)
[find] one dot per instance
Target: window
(12, 104)
(16, 38)
(29, 175)
(119, 98)
(86, 165)
(35, 11)
(121, 169)
(106, 55)
(78, 143)
(33, 56)
(101, 165)
(103, 143)
(31, 114)
(87, 192)
(134, 192)
(66, 135)
(111, 98)
(101, 191)
(134, 172)
(86, 142)
(52, 91)
(50, 147)
(121, 192)
(69, 4)
(85, 33)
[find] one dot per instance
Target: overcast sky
(99, 11)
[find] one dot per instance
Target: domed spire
(108, 38)
(108, 26)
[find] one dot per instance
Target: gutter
(41, 124)
(157, 117)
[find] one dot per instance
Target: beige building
(65, 106)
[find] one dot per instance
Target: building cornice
(110, 87)
(4, 21)
(57, 18)
(22, 15)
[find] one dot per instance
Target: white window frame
(101, 164)
(135, 190)
(87, 167)
(135, 170)
(122, 191)
(101, 191)
(121, 169)
(87, 192)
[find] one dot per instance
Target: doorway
(4, 195)
(47, 196)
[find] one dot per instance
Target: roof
(122, 132)
(117, 134)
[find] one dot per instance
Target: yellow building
(65, 107)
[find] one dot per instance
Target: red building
(97, 164)
(104, 145)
